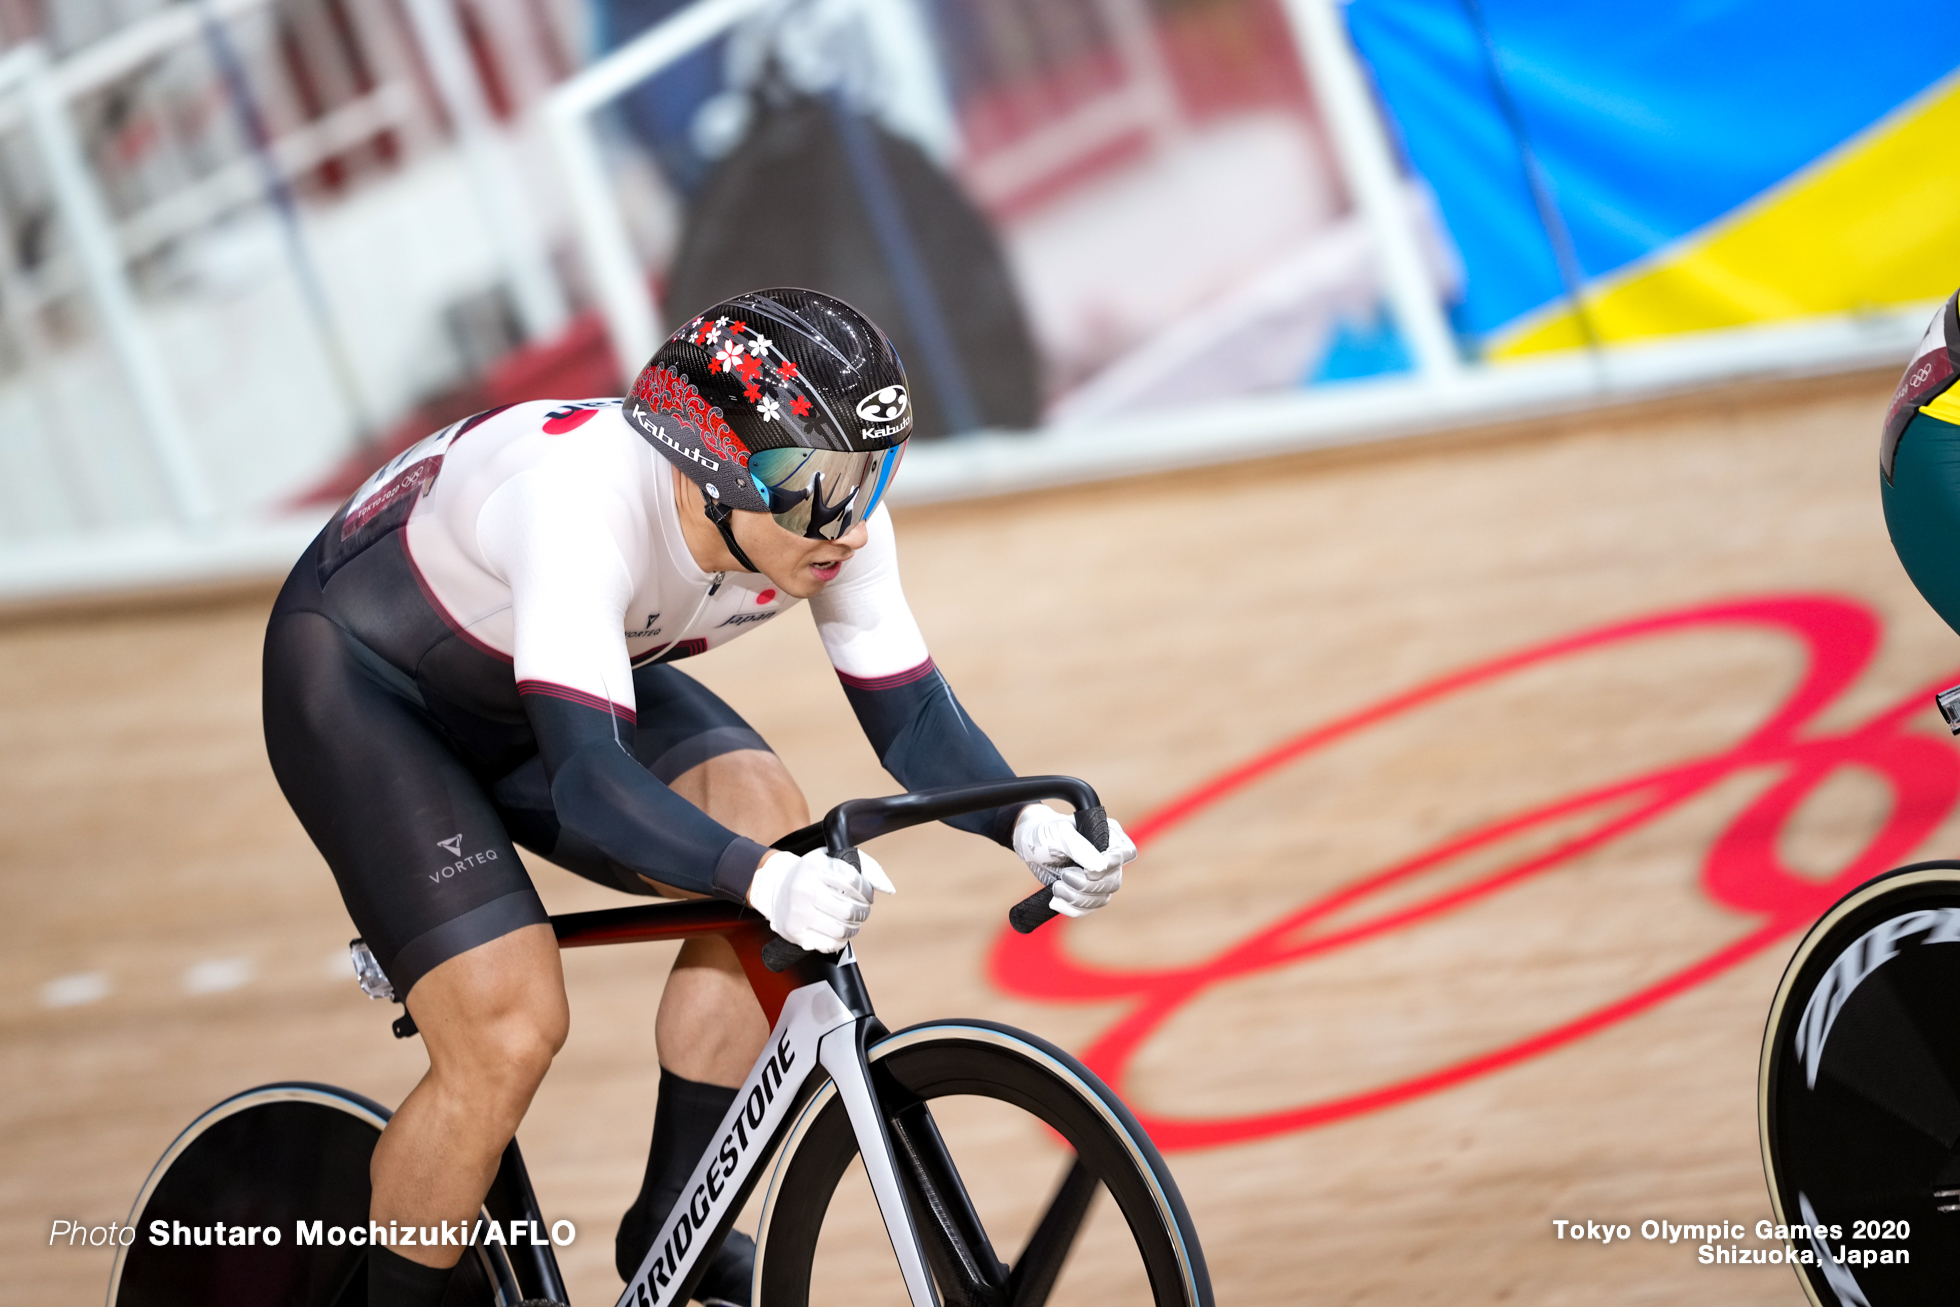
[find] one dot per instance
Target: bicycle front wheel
(1005, 1144)
(1858, 1095)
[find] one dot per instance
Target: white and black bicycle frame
(824, 1023)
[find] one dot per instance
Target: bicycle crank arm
(841, 1053)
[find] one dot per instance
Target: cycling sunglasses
(820, 494)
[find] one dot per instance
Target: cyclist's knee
(762, 769)
(519, 1048)
(495, 1014)
(749, 791)
(492, 1069)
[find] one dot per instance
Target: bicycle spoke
(956, 1244)
(1883, 1057)
(1034, 1275)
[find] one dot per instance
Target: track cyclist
(1858, 1050)
(1919, 470)
(478, 651)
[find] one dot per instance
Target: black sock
(395, 1281)
(684, 1121)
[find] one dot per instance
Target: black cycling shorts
(414, 800)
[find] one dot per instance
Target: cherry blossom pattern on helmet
(782, 369)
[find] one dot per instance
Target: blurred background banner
(251, 248)
(1611, 176)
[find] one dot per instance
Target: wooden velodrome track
(1389, 1100)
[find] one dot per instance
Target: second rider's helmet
(787, 402)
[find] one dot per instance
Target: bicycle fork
(842, 1054)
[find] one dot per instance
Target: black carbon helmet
(785, 401)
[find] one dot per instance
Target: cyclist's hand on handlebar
(1080, 876)
(816, 901)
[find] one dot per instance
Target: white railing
(513, 226)
(1145, 101)
(619, 284)
(622, 288)
(1387, 231)
(237, 185)
(171, 196)
(76, 197)
(1374, 179)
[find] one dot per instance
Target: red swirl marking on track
(1741, 870)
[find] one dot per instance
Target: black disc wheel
(1028, 1179)
(1859, 1095)
(228, 1213)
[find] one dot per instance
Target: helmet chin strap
(722, 516)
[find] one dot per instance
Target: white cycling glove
(816, 901)
(1081, 876)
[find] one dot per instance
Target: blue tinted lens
(887, 466)
(821, 493)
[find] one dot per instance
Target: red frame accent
(685, 920)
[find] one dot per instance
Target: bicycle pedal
(1948, 702)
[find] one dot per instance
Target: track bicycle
(1858, 1095)
(833, 1085)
